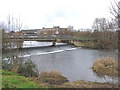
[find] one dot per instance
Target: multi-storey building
(56, 30)
(31, 32)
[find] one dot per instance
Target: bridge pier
(20, 44)
(71, 41)
(54, 43)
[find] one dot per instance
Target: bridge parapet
(44, 37)
(50, 37)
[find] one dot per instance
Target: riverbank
(89, 44)
(94, 45)
(14, 80)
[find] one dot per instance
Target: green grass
(89, 44)
(13, 80)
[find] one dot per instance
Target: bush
(18, 65)
(27, 69)
(106, 66)
(52, 77)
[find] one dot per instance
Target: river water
(73, 62)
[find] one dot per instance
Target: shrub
(27, 69)
(106, 66)
(52, 77)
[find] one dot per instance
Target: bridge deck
(50, 38)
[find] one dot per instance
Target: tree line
(104, 31)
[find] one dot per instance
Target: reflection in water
(74, 63)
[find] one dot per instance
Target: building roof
(32, 30)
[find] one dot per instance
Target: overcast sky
(48, 13)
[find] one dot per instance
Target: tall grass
(106, 66)
(51, 77)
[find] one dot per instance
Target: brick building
(31, 32)
(56, 30)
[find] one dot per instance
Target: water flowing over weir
(74, 62)
(51, 52)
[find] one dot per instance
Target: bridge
(49, 38)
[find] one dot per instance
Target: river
(73, 62)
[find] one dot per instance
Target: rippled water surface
(74, 62)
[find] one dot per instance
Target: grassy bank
(89, 44)
(13, 80)
(94, 45)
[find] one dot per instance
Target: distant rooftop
(31, 29)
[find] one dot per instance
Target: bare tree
(13, 25)
(115, 11)
(115, 8)
(104, 32)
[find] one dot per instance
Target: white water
(27, 44)
(44, 53)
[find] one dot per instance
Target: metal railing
(49, 37)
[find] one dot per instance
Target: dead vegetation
(52, 78)
(87, 84)
(106, 66)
